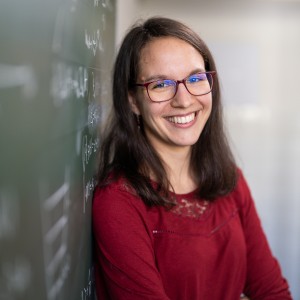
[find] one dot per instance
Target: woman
(173, 217)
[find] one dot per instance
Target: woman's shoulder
(115, 195)
(113, 185)
(241, 194)
(241, 181)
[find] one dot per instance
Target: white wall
(256, 45)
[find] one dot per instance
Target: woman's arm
(264, 277)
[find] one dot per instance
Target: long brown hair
(125, 150)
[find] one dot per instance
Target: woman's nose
(183, 98)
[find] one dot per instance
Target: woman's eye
(162, 84)
(159, 85)
(196, 78)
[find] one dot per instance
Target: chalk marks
(93, 40)
(68, 81)
(86, 292)
(90, 145)
(73, 83)
(91, 35)
(104, 3)
(94, 37)
(94, 115)
(88, 189)
(101, 3)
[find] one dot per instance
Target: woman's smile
(187, 119)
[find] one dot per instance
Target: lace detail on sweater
(192, 208)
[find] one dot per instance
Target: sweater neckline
(190, 194)
(184, 195)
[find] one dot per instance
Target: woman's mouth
(182, 119)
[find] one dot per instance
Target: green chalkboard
(55, 67)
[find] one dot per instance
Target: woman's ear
(133, 103)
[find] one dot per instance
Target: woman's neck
(177, 165)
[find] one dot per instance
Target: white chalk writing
(88, 188)
(67, 80)
(86, 292)
(93, 40)
(89, 146)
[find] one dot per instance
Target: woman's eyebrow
(162, 76)
(197, 70)
(156, 77)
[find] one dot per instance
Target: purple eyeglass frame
(146, 84)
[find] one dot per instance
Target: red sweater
(197, 250)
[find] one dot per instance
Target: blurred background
(256, 45)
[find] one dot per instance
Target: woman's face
(176, 123)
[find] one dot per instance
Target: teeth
(182, 120)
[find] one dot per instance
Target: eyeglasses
(163, 90)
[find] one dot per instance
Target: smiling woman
(175, 123)
(173, 217)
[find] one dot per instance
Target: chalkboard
(55, 67)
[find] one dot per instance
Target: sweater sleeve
(264, 278)
(125, 260)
